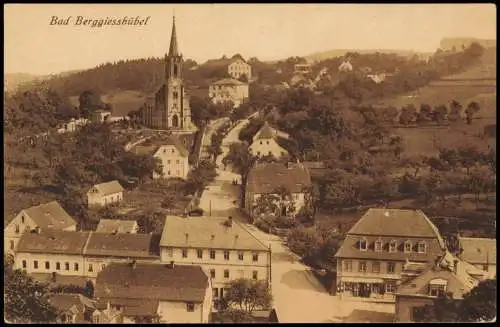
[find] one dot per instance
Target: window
(216, 292)
(95, 319)
(177, 161)
(66, 266)
(226, 273)
(17, 229)
(378, 246)
(212, 254)
(255, 274)
(260, 142)
(270, 153)
(407, 246)
(47, 265)
(168, 173)
(267, 142)
(390, 287)
(348, 265)
(103, 265)
(24, 264)
(58, 266)
(91, 268)
(363, 244)
(421, 247)
(12, 245)
(255, 257)
(226, 255)
(184, 253)
(376, 266)
(170, 252)
(436, 290)
(173, 150)
(190, 307)
(35, 264)
(199, 253)
(392, 246)
(391, 267)
(76, 266)
(362, 266)
(212, 273)
(168, 162)
(176, 95)
(258, 153)
(485, 267)
(240, 256)
(22, 219)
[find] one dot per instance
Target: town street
(298, 295)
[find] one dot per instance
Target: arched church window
(175, 95)
(175, 71)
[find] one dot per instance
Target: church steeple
(173, 51)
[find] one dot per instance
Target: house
(265, 143)
(480, 252)
(100, 116)
(105, 194)
(54, 255)
(377, 248)
(377, 78)
(238, 67)
(302, 68)
(223, 248)
(44, 216)
(273, 131)
(174, 293)
(270, 178)
(172, 154)
(345, 66)
(117, 226)
(72, 308)
(449, 275)
(228, 90)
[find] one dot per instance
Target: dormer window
(422, 247)
(393, 246)
(407, 246)
(437, 287)
(378, 246)
(363, 244)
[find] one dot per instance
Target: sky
(207, 31)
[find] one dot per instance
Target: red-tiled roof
(152, 282)
(266, 178)
(50, 215)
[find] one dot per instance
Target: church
(169, 109)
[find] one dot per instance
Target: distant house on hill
(117, 226)
(239, 67)
(228, 90)
(100, 116)
(41, 217)
(302, 68)
(172, 154)
(265, 143)
(345, 66)
(105, 194)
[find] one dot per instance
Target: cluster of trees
(217, 138)
(201, 176)
(203, 110)
(439, 114)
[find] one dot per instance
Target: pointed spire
(173, 51)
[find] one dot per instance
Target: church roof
(173, 51)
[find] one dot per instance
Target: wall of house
(96, 199)
(265, 147)
(492, 270)
(235, 93)
(237, 268)
(176, 312)
(299, 201)
(238, 68)
(405, 305)
(174, 164)
(53, 259)
(369, 269)
(207, 304)
(12, 234)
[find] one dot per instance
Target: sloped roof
(197, 232)
(228, 81)
(116, 225)
(65, 301)
(155, 145)
(53, 241)
(109, 187)
(50, 215)
(172, 140)
(151, 282)
(122, 245)
(131, 307)
(266, 132)
(145, 149)
(266, 178)
(478, 250)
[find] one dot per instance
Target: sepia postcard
(249, 163)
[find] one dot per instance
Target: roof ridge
(246, 230)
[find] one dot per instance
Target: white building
(228, 90)
(100, 116)
(345, 66)
(44, 216)
(105, 194)
(223, 248)
(265, 143)
(238, 68)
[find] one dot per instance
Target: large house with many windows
(377, 249)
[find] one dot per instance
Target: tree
(248, 295)
(202, 175)
(267, 204)
(89, 102)
(408, 115)
(440, 114)
(425, 113)
(455, 111)
(480, 304)
(472, 108)
(240, 157)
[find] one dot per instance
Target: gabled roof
(207, 233)
(65, 301)
(478, 250)
(109, 188)
(145, 149)
(266, 178)
(50, 215)
(116, 225)
(152, 282)
(155, 145)
(228, 81)
(122, 245)
(172, 140)
(53, 241)
(131, 307)
(266, 132)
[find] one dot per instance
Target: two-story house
(228, 90)
(44, 216)
(238, 67)
(449, 275)
(271, 178)
(172, 154)
(117, 226)
(480, 252)
(173, 293)
(265, 143)
(371, 259)
(223, 248)
(104, 194)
